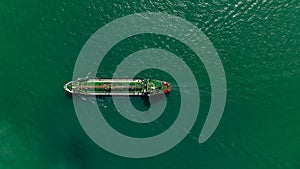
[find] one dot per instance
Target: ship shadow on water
(155, 98)
(69, 95)
(144, 99)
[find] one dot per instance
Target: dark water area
(258, 43)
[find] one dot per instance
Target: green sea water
(257, 41)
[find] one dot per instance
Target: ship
(118, 87)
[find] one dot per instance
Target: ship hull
(118, 87)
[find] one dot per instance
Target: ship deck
(117, 87)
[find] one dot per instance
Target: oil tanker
(118, 87)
